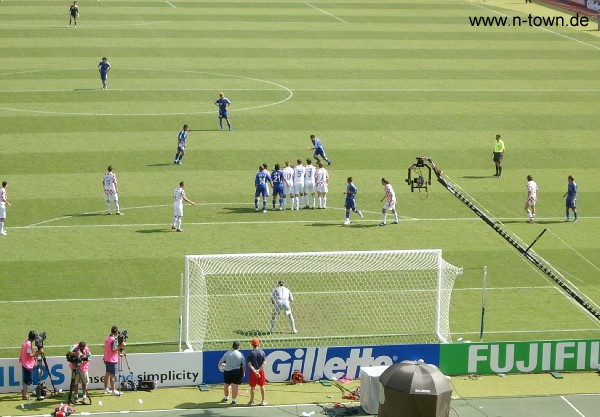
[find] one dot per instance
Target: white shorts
(288, 189)
(111, 197)
(178, 209)
(282, 305)
(298, 188)
(322, 188)
(531, 201)
(2, 211)
(388, 206)
(309, 187)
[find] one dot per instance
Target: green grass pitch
(380, 82)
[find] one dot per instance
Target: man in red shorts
(256, 363)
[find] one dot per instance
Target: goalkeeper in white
(281, 298)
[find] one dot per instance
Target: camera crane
(419, 182)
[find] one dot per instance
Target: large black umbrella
(414, 389)
(417, 377)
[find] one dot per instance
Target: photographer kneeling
(79, 356)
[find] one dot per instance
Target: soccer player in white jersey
(322, 180)
(3, 203)
(281, 298)
(299, 171)
(532, 190)
(390, 202)
(288, 184)
(309, 183)
(178, 199)
(111, 190)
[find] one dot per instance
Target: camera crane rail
(420, 182)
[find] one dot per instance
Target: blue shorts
(320, 152)
(223, 114)
(261, 192)
(350, 204)
(278, 190)
(27, 376)
(571, 202)
(111, 368)
(180, 148)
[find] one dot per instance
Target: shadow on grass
(154, 231)
(478, 177)
(85, 215)
(241, 210)
(161, 165)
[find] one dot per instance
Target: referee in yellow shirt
(498, 155)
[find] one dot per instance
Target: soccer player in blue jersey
(277, 178)
(223, 103)
(319, 149)
(181, 138)
(262, 181)
(571, 198)
(350, 204)
(104, 67)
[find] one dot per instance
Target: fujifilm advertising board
(325, 362)
(520, 357)
(167, 369)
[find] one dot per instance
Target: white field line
(541, 28)
(42, 225)
(171, 4)
(572, 406)
(290, 94)
(66, 300)
(327, 13)
(344, 90)
(161, 297)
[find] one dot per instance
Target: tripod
(40, 390)
(75, 372)
(119, 378)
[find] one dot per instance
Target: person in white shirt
(532, 190)
(299, 171)
(322, 181)
(111, 190)
(281, 298)
(233, 366)
(288, 185)
(3, 203)
(390, 202)
(178, 199)
(309, 183)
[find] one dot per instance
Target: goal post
(340, 298)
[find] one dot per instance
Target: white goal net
(340, 298)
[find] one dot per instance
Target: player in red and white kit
(390, 202)
(111, 190)
(178, 199)
(3, 203)
(322, 179)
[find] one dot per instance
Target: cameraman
(111, 360)
(79, 356)
(27, 360)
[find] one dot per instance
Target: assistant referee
(498, 154)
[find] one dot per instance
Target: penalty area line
(171, 4)
(327, 13)
(65, 300)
